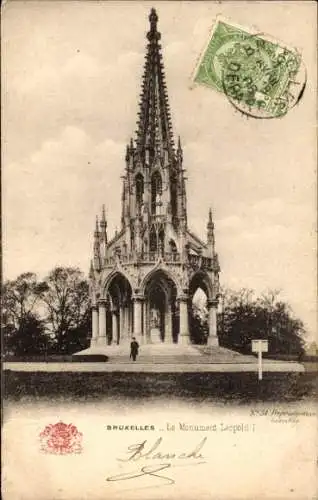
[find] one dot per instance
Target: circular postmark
(260, 78)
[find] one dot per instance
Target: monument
(143, 279)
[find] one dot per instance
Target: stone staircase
(169, 354)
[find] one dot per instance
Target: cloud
(52, 198)
(65, 93)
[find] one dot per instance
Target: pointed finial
(96, 228)
(210, 229)
(127, 153)
(210, 224)
(91, 269)
(153, 33)
(179, 149)
(103, 225)
(103, 222)
(153, 18)
(210, 216)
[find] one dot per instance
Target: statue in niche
(158, 204)
(154, 318)
(145, 212)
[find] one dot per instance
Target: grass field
(238, 388)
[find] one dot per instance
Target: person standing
(134, 346)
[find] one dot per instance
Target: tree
(66, 298)
(27, 340)
(23, 330)
(20, 298)
(77, 338)
(198, 324)
(244, 318)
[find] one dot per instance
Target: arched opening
(119, 310)
(198, 323)
(139, 180)
(173, 249)
(160, 309)
(157, 304)
(199, 293)
(156, 192)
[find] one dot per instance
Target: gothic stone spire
(97, 256)
(103, 225)
(154, 124)
(210, 232)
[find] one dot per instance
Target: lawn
(238, 388)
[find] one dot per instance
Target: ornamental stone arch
(160, 310)
(203, 331)
(118, 305)
(201, 279)
(165, 271)
(109, 279)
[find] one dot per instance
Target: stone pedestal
(155, 336)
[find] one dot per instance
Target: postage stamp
(261, 77)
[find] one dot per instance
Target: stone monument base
(158, 349)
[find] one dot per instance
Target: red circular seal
(61, 439)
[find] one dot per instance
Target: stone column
(168, 325)
(130, 319)
(123, 333)
(115, 327)
(102, 340)
(94, 325)
(138, 317)
(184, 334)
(212, 320)
(126, 320)
(144, 322)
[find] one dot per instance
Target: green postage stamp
(261, 77)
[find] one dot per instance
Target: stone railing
(199, 262)
(145, 257)
(195, 261)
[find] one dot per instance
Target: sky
(71, 80)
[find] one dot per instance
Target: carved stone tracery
(154, 246)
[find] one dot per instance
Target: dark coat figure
(134, 346)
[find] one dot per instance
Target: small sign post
(260, 346)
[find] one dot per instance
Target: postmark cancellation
(259, 75)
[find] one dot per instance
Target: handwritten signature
(150, 470)
(139, 451)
